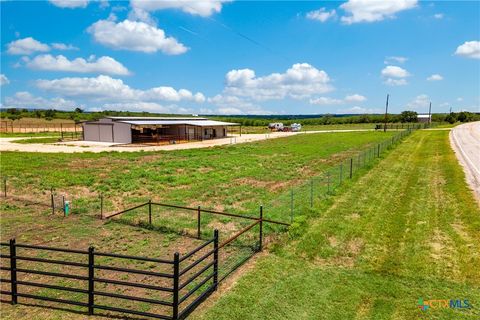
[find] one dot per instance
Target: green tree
(451, 118)
(78, 110)
(408, 116)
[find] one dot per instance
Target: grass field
(408, 229)
(238, 177)
(263, 171)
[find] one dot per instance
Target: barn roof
(190, 122)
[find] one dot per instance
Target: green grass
(38, 140)
(408, 229)
(29, 134)
(238, 177)
(245, 174)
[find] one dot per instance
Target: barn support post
(91, 283)
(199, 220)
(150, 212)
(13, 271)
(260, 240)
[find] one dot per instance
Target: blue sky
(241, 57)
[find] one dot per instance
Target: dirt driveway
(465, 140)
(8, 144)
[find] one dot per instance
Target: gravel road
(465, 140)
(8, 144)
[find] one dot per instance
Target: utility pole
(430, 114)
(386, 111)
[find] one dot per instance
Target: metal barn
(155, 130)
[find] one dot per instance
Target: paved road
(8, 144)
(465, 140)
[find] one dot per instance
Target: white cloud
(435, 77)
(438, 15)
(63, 46)
(105, 88)
(395, 82)
(144, 106)
(419, 103)
(389, 60)
(203, 8)
(395, 76)
(26, 46)
(3, 80)
(25, 99)
(104, 64)
(394, 72)
(300, 81)
(321, 14)
(70, 4)
(359, 110)
(233, 105)
(134, 36)
(355, 98)
(325, 101)
(469, 49)
(459, 99)
(376, 10)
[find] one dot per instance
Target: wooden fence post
(5, 186)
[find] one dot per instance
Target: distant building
(424, 118)
(154, 129)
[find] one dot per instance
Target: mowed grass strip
(409, 228)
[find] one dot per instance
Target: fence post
(176, 280)
(101, 206)
(5, 186)
(215, 259)
(260, 244)
(351, 168)
(199, 217)
(52, 201)
(150, 211)
(328, 182)
(378, 151)
(291, 205)
(91, 283)
(13, 270)
(63, 205)
(311, 193)
(341, 172)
